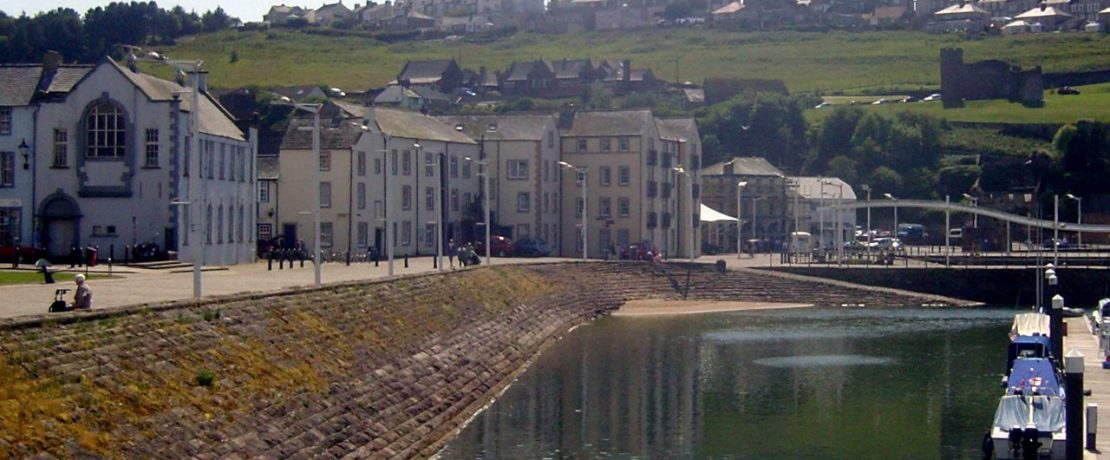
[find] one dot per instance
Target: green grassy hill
(831, 62)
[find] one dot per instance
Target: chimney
(202, 80)
(627, 64)
(730, 168)
(50, 61)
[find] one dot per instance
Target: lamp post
(385, 194)
(739, 206)
(585, 204)
(895, 200)
(439, 203)
(194, 147)
(484, 173)
(314, 109)
(975, 204)
(867, 188)
(1079, 203)
(690, 184)
(839, 217)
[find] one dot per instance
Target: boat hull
(1052, 447)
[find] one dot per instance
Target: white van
(801, 242)
(955, 234)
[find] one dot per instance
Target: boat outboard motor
(1030, 445)
(1015, 437)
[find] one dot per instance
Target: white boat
(1031, 415)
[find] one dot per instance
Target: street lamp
(1078, 202)
(314, 109)
(895, 200)
(484, 173)
(837, 226)
(867, 188)
(975, 204)
(585, 204)
(194, 147)
(690, 183)
(385, 194)
(739, 206)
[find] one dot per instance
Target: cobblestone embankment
(382, 369)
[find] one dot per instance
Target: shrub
(205, 378)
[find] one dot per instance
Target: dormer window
(105, 132)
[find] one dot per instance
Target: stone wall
(380, 369)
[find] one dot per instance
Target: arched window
(105, 132)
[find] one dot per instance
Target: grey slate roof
(502, 127)
(18, 84)
(519, 71)
(214, 119)
(425, 72)
(66, 77)
(744, 166)
(570, 68)
(621, 123)
(413, 125)
(269, 167)
(298, 136)
(683, 128)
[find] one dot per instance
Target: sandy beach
(654, 307)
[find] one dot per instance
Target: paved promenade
(1095, 378)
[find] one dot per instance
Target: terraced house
(108, 162)
(634, 192)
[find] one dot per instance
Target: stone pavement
(1095, 378)
(138, 286)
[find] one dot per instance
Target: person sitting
(82, 299)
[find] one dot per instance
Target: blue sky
(247, 10)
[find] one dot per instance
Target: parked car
(500, 246)
(931, 97)
(531, 247)
(822, 105)
(644, 250)
(1062, 244)
(1067, 90)
(955, 234)
(886, 244)
(9, 252)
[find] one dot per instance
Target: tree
(834, 137)
(845, 168)
(215, 20)
(885, 180)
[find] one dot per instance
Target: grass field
(33, 277)
(830, 62)
(1093, 102)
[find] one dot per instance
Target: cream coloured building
(522, 155)
(632, 187)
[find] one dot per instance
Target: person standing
(82, 299)
(451, 250)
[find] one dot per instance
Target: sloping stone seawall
(383, 369)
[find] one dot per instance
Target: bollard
(281, 261)
(1092, 425)
(1073, 406)
(434, 262)
(302, 260)
(111, 251)
(406, 261)
(348, 258)
(270, 261)
(126, 254)
(1055, 326)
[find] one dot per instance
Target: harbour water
(803, 383)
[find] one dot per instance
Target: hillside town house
(521, 155)
(109, 163)
(444, 75)
(629, 160)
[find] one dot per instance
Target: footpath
(1095, 379)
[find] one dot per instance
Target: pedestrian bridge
(986, 212)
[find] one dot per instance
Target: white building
(18, 84)
(817, 193)
(113, 166)
(523, 157)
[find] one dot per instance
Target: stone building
(765, 195)
(989, 79)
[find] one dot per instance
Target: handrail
(987, 212)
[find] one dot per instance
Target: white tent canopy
(709, 214)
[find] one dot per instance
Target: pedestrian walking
(451, 250)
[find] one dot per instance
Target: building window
(5, 121)
(429, 199)
(578, 211)
(378, 166)
(523, 202)
(9, 226)
(393, 166)
(406, 164)
(625, 175)
(605, 147)
(522, 231)
(454, 167)
(239, 231)
(551, 139)
(406, 198)
(223, 160)
(546, 202)
(231, 224)
(326, 234)
(603, 240)
(518, 169)
(61, 147)
(325, 161)
(466, 170)
(151, 148)
(105, 132)
(466, 199)
(7, 169)
(606, 176)
(363, 234)
(428, 164)
(361, 195)
(263, 192)
(604, 207)
(623, 206)
(325, 194)
(582, 145)
(624, 144)
(265, 231)
(220, 224)
(406, 233)
(429, 234)
(622, 237)
(454, 200)
(211, 158)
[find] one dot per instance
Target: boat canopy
(1045, 412)
(1028, 346)
(1033, 376)
(1029, 324)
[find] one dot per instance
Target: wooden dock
(1095, 378)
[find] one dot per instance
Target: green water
(821, 384)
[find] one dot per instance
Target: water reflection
(768, 384)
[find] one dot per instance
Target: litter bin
(90, 254)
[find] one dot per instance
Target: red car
(499, 246)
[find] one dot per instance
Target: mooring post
(1073, 387)
(1092, 425)
(1056, 326)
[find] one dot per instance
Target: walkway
(1095, 378)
